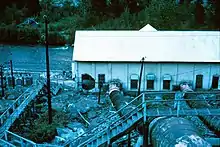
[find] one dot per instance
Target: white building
(171, 57)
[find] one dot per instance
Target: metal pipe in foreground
(175, 131)
(165, 131)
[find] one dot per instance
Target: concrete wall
(123, 71)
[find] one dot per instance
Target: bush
(13, 35)
(44, 132)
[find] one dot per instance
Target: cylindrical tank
(175, 131)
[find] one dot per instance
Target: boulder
(92, 114)
(57, 107)
(66, 133)
(11, 97)
(75, 125)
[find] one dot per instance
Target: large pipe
(213, 122)
(174, 131)
(163, 131)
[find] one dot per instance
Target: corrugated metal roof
(157, 46)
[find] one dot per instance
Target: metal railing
(107, 118)
(144, 111)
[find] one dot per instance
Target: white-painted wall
(123, 71)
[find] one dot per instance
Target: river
(32, 58)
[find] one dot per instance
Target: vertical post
(178, 107)
(2, 82)
(48, 71)
(129, 139)
(100, 88)
(12, 75)
(109, 137)
(145, 125)
(139, 86)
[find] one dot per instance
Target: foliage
(44, 132)
(104, 14)
(11, 34)
(163, 15)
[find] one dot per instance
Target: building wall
(123, 71)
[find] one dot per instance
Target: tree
(200, 12)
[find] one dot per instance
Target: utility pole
(100, 89)
(2, 82)
(48, 71)
(142, 65)
(12, 75)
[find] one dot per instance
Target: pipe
(174, 131)
(164, 131)
(213, 122)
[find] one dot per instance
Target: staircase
(129, 121)
(13, 112)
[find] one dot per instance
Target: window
(150, 81)
(215, 79)
(199, 81)
(166, 84)
(166, 81)
(134, 84)
(150, 84)
(134, 81)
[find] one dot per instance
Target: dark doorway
(150, 84)
(101, 79)
(88, 82)
(199, 81)
(166, 84)
(215, 82)
(134, 84)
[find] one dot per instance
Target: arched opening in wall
(134, 81)
(150, 81)
(88, 82)
(215, 79)
(199, 81)
(166, 82)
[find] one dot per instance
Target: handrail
(118, 120)
(68, 142)
(11, 106)
(29, 141)
(8, 143)
(145, 101)
(14, 103)
(182, 100)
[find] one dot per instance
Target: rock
(92, 114)
(11, 97)
(66, 133)
(84, 110)
(72, 110)
(59, 140)
(75, 125)
(57, 107)
(80, 131)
